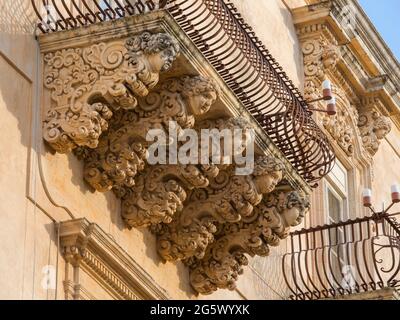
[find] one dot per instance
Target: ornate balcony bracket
(88, 84)
(227, 199)
(161, 189)
(373, 126)
(122, 150)
(224, 259)
(362, 92)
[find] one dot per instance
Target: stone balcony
(110, 77)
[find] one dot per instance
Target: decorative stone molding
(319, 57)
(88, 84)
(340, 50)
(122, 150)
(341, 130)
(90, 251)
(161, 189)
(253, 235)
(373, 127)
(228, 199)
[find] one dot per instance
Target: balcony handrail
(344, 258)
(240, 58)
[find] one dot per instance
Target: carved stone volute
(88, 84)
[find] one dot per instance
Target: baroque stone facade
(106, 98)
(85, 215)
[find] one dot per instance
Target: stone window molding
(88, 249)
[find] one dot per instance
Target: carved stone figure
(227, 199)
(253, 235)
(161, 189)
(87, 84)
(373, 127)
(122, 150)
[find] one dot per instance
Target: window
(336, 203)
(336, 194)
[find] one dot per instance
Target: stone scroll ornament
(88, 84)
(224, 259)
(228, 199)
(319, 57)
(122, 150)
(161, 189)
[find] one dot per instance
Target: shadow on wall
(17, 17)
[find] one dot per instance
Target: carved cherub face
(160, 48)
(201, 103)
(295, 208)
(268, 172)
(266, 183)
(200, 94)
(330, 56)
(292, 217)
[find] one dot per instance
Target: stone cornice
(86, 245)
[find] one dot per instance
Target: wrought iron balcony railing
(346, 258)
(239, 57)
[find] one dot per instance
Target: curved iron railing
(345, 258)
(238, 56)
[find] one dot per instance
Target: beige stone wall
(386, 168)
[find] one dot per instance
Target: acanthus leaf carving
(88, 84)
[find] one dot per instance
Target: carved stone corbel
(228, 199)
(88, 84)
(161, 189)
(373, 126)
(122, 150)
(253, 235)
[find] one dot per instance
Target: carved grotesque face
(266, 183)
(202, 102)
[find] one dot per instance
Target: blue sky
(385, 14)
